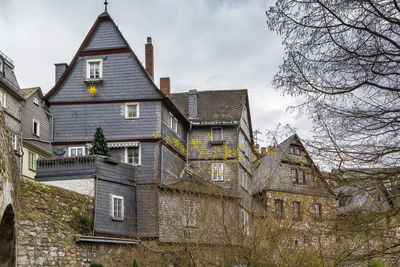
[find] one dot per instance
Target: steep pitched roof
(268, 175)
(215, 105)
(28, 92)
(94, 44)
(8, 78)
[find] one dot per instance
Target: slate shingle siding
(105, 37)
(32, 111)
(122, 79)
(172, 166)
(79, 122)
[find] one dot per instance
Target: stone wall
(9, 175)
(50, 218)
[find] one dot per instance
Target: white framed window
(36, 127)
(131, 110)
(217, 134)
(190, 213)
(1, 66)
(94, 69)
(3, 99)
(173, 123)
(32, 161)
(245, 222)
(14, 141)
(117, 207)
(132, 155)
(76, 151)
(36, 101)
(217, 171)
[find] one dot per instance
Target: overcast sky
(200, 44)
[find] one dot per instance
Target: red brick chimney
(263, 151)
(165, 85)
(149, 57)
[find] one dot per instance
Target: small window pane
(216, 134)
(131, 111)
(132, 155)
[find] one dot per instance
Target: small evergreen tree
(135, 263)
(99, 144)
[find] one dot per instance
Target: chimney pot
(263, 151)
(149, 57)
(165, 85)
(60, 68)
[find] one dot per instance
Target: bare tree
(343, 58)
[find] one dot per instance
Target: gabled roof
(214, 106)
(8, 78)
(28, 92)
(267, 174)
(88, 47)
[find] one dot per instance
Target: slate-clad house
(106, 86)
(220, 135)
(133, 113)
(36, 130)
(10, 102)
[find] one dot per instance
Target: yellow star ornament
(92, 90)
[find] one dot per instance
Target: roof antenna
(105, 5)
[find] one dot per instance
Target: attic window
(36, 101)
(3, 99)
(94, 69)
(1, 66)
(295, 150)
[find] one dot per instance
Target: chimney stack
(193, 104)
(165, 85)
(60, 68)
(149, 57)
(263, 151)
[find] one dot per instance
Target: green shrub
(135, 263)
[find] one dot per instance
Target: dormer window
(295, 150)
(36, 101)
(94, 69)
(3, 99)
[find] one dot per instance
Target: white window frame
(139, 155)
(127, 113)
(173, 123)
(3, 99)
(112, 210)
(36, 101)
(37, 128)
(76, 147)
(245, 222)
(100, 61)
(1, 66)
(217, 171)
(14, 140)
(212, 134)
(190, 213)
(32, 161)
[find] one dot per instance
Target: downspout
(187, 146)
(21, 139)
(52, 124)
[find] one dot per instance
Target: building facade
(11, 101)
(36, 130)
